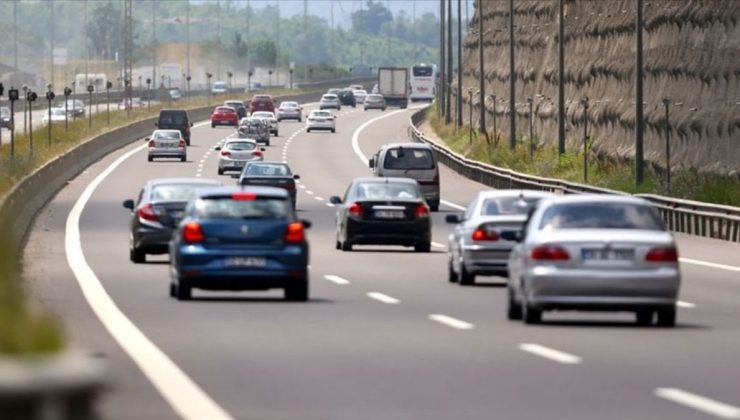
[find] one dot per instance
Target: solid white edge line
(684, 304)
(356, 134)
(710, 264)
(453, 205)
(451, 322)
(380, 297)
(186, 398)
(336, 279)
(697, 402)
(550, 353)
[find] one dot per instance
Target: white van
(410, 160)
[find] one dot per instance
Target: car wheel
(213, 125)
(434, 206)
(300, 120)
(187, 142)
(338, 244)
(267, 143)
(183, 291)
(451, 275)
(530, 315)
(466, 278)
(423, 247)
(667, 317)
(276, 134)
(308, 130)
(184, 159)
(365, 109)
(173, 290)
(297, 292)
(514, 310)
(346, 246)
(137, 256)
(220, 171)
(644, 317)
(333, 130)
(382, 109)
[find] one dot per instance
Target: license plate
(239, 163)
(256, 262)
(607, 254)
(388, 214)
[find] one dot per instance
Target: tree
(372, 18)
(238, 47)
(103, 29)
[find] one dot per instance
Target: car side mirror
(156, 124)
(263, 149)
(296, 176)
(335, 199)
(306, 224)
(371, 162)
(453, 218)
(147, 138)
(217, 148)
(128, 204)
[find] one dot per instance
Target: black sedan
(347, 97)
(158, 211)
(383, 211)
(270, 174)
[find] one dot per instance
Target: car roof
(182, 180)
(166, 131)
(406, 145)
(381, 180)
(238, 140)
(592, 198)
(262, 191)
(513, 193)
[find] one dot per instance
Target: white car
(219, 88)
(321, 120)
(330, 100)
(235, 153)
(57, 115)
(167, 144)
(270, 117)
(360, 95)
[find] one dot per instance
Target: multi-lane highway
(384, 335)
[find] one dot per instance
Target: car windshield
(330, 97)
(423, 71)
(175, 192)
(55, 111)
(228, 208)
(235, 104)
(334, 90)
(167, 135)
(387, 191)
(219, 85)
(408, 159)
(507, 205)
(172, 118)
(241, 145)
(601, 216)
(267, 169)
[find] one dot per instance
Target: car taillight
(256, 153)
(152, 143)
(421, 211)
(192, 233)
(669, 254)
(295, 233)
(549, 253)
(355, 210)
(225, 153)
(290, 186)
(146, 212)
(182, 144)
(482, 234)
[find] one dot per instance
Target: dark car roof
(261, 191)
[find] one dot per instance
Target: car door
(459, 234)
(518, 254)
(342, 211)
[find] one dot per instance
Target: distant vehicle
(235, 153)
(175, 94)
(393, 84)
(253, 87)
(289, 110)
(256, 129)
(75, 107)
(82, 81)
(219, 88)
(224, 115)
(175, 119)
(423, 82)
(329, 100)
(388, 211)
(57, 115)
(270, 174)
(166, 144)
(356, 87)
(158, 211)
(135, 103)
(239, 106)
(594, 252)
(476, 247)
(334, 91)
(374, 101)
(360, 95)
(270, 118)
(262, 103)
(321, 120)
(347, 97)
(5, 118)
(240, 238)
(410, 160)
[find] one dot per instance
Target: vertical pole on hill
(512, 80)
(442, 66)
(639, 157)
(481, 87)
(561, 80)
(531, 128)
(458, 102)
(584, 103)
(666, 103)
(448, 99)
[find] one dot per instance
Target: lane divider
(380, 297)
(550, 353)
(684, 304)
(336, 279)
(451, 322)
(699, 403)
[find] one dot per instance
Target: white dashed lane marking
(451, 322)
(380, 297)
(336, 279)
(549, 353)
(699, 403)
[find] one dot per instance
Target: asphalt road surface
(384, 336)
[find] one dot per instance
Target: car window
(405, 158)
(321, 114)
(174, 192)
(471, 209)
(507, 205)
(178, 118)
(241, 146)
(386, 191)
(600, 216)
(264, 169)
(225, 110)
(167, 135)
(227, 208)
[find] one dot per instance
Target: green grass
(689, 184)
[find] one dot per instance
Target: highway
(384, 335)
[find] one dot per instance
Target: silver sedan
(476, 246)
(594, 252)
(166, 144)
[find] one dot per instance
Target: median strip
(549, 353)
(699, 403)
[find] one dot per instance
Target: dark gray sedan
(270, 174)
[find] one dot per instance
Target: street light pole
(30, 98)
(531, 129)
(495, 131)
(639, 156)
(584, 103)
(49, 98)
(458, 102)
(90, 89)
(470, 126)
(12, 97)
(561, 80)
(67, 92)
(481, 84)
(442, 78)
(108, 85)
(666, 103)
(512, 79)
(25, 109)
(448, 100)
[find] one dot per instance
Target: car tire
(530, 315)
(434, 206)
(300, 120)
(308, 130)
(297, 292)
(267, 143)
(338, 244)
(137, 256)
(644, 317)
(667, 317)
(220, 171)
(276, 134)
(382, 109)
(346, 246)
(514, 309)
(465, 278)
(149, 158)
(173, 290)
(213, 125)
(187, 142)
(423, 247)
(451, 274)
(183, 291)
(365, 109)
(184, 159)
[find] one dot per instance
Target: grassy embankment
(25, 329)
(687, 184)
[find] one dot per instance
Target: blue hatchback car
(240, 238)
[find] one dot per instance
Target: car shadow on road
(619, 324)
(256, 299)
(393, 251)
(490, 284)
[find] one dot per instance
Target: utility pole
(128, 51)
(87, 51)
(15, 36)
(333, 45)
(481, 87)
(218, 40)
(277, 41)
(448, 100)
(154, 43)
(443, 78)
(305, 37)
(458, 102)
(51, 52)
(639, 157)
(512, 79)
(390, 26)
(249, 52)
(187, 42)
(561, 80)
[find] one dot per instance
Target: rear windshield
(175, 192)
(227, 208)
(225, 110)
(330, 97)
(263, 114)
(241, 145)
(386, 191)
(507, 205)
(267, 169)
(601, 216)
(423, 71)
(262, 98)
(289, 105)
(235, 104)
(321, 114)
(401, 158)
(169, 118)
(374, 97)
(167, 135)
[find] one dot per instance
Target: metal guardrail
(685, 216)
